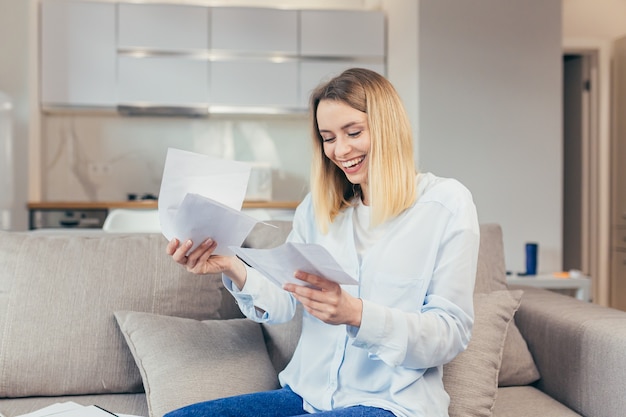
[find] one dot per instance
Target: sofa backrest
(491, 271)
(58, 293)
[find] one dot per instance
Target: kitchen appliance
(260, 182)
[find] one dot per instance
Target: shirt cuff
(372, 329)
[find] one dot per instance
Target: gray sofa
(111, 320)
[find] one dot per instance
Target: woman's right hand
(202, 260)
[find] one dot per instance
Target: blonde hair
(392, 173)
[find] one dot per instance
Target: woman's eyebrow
(344, 127)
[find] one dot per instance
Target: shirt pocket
(405, 292)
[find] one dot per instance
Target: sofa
(111, 320)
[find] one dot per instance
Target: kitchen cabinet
(342, 33)
(163, 27)
(78, 54)
(257, 31)
(334, 40)
(161, 60)
(163, 81)
(254, 83)
(253, 64)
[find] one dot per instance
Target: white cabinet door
(342, 33)
(250, 83)
(163, 27)
(312, 73)
(254, 30)
(161, 61)
(163, 81)
(78, 53)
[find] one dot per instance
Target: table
(582, 284)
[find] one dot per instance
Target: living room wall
(490, 114)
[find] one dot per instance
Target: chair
(132, 221)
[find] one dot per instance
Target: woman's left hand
(326, 300)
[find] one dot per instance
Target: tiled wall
(106, 157)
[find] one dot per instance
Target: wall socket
(97, 169)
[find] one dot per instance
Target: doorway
(577, 134)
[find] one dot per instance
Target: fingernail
(208, 242)
(188, 243)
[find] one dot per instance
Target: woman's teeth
(352, 162)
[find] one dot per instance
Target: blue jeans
(278, 403)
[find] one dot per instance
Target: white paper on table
(69, 409)
(199, 218)
(53, 409)
(280, 263)
(187, 172)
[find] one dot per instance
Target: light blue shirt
(416, 282)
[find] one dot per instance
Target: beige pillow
(518, 366)
(471, 379)
(57, 298)
(184, 361)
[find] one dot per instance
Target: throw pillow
(518, 366)
(471, 379)
(184, 361)
(58, 293)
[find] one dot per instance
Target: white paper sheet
(199, 218)
(187, 172)
(201, 197)
(280, 263)
(72, 409)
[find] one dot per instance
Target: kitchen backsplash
(106, 157)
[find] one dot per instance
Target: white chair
(132, 221)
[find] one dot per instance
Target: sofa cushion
(471, 379)
(529, 402)
(58, 293)
(184, 361)
(518, 366)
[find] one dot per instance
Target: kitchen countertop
(142, 204)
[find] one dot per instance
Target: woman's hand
(326, 300)
(202, 261)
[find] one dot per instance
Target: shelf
(143, 204)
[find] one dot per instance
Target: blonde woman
(376, 349)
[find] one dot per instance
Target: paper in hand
(201, 197)
(280, 263)
(187, 172)
(199, 218)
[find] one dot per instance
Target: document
(199, 218)
(72, 409)
(280, 263)
(201, 197)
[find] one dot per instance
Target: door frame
(596, 233)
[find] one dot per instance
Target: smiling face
(346, 140)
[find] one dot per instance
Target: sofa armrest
(579, 350)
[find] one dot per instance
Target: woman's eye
(354, 134)
(328, 140)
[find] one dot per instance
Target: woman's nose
(342, 146)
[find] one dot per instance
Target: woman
(376, 349)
